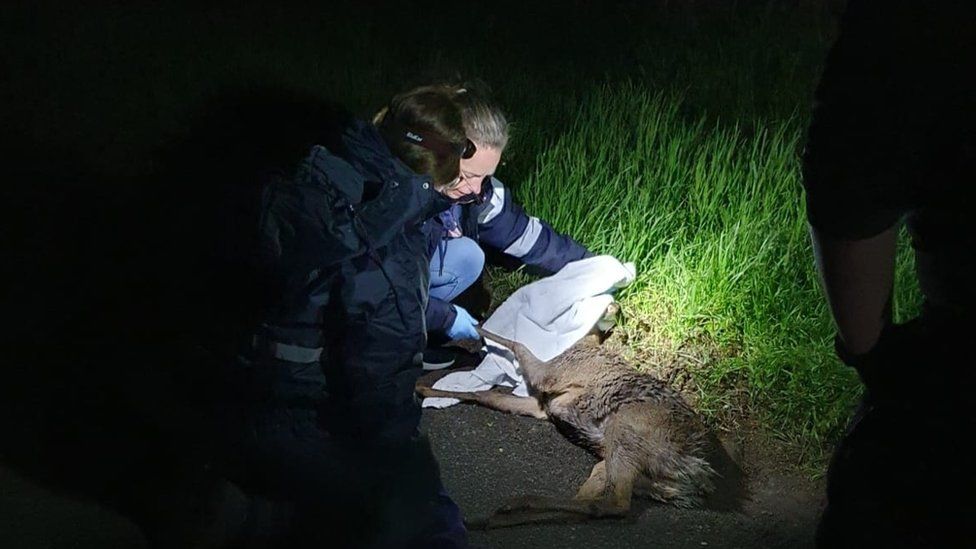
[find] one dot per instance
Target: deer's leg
(605, 494)
(620, 473)
(670, 472)
(432, 377)
(594, 487)
(502, 402)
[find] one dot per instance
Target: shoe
(438, 358)
(446, 528)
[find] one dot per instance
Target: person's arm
(505, 226)
(440, 316)
(858, 278)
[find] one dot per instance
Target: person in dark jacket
(322, 414)
(484, 214)
(892, 139)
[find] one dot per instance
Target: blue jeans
(462, 263)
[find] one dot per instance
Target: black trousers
(312, 488)
(903, 476)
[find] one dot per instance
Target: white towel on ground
(547, 316)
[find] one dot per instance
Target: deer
(648, 440)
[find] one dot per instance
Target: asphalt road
(487, 457)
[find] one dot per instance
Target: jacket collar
(369, 154)
(365, 150)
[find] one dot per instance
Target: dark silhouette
(893, 137)
(134, 296)
(89, 400)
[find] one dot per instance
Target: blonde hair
(484, 121)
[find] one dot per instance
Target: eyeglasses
(477, 197)
(469, 149)
(434, 143)
(440, 146)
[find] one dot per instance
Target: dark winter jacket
(499, 223)
(345, 257)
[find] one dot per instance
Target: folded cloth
(547, 316)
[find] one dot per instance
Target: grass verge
(712, 214)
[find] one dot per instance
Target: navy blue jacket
(343, 250)
(499, 223)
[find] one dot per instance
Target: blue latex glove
(463, 327)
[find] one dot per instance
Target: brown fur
(649, 441)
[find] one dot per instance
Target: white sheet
(547, 316)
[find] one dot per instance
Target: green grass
(712, 215)
(667, 137)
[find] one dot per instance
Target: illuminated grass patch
(713, 216)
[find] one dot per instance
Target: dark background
(118, 121)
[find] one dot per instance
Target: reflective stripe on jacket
(503, 225)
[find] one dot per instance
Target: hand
(463, 327)
(887, 368)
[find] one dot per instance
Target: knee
(470, 260)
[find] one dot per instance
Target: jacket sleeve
(440, 315)
(302, 240)
(505, 226)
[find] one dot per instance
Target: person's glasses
(441, 146)
(478, 197)
(454, 183)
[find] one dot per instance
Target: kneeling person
(483, 214)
